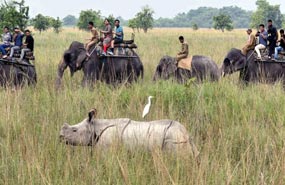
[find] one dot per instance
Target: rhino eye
(74, 129)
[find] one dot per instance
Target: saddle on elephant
(124, 49)
(29, 55)
(185, 63)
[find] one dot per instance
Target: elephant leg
(84, 82)
(179, 76)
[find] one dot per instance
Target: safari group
(265, 43)
(14, 48)
(110, 39)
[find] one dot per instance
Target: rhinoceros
(167, 135)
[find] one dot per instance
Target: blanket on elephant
(185, 63)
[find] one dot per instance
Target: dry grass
(238, 130)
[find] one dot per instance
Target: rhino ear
(92, 114)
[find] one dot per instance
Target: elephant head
(166, 67)
(72, 58)
(233, 62)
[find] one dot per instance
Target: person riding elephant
(262, 37)
(185, 50)
(119, 35)
(7, 39)
(108, 36)
(93, 40)
(272, 38)
(250, 42)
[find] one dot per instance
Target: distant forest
(203, 17)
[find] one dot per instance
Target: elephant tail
(142, 71)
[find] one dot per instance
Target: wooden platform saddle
(124, 49)
(29, 55)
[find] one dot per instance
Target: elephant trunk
(61, 68)
(156, 76)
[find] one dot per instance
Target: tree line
(16, 14)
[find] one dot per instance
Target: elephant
(203, 68)
(110, 70)
(252, 70)
(17, 74)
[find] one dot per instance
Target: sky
(128, 8)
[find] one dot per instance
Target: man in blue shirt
(119, 35)
(262, 35)
(18, 41)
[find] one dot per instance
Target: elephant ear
(80, 59)
(171, 67)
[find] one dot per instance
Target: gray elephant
(113, 70)
(17, 74)
(252, 70)
(203, 68)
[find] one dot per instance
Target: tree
(203, 17)
(41, 22)
(57, 24)
(145, 18)
(14, 14)
(89, 15)
(195, 27)
(133, 23)
(69, 20)
(222, 22)
(264, 12)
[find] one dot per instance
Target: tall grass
(238, 130)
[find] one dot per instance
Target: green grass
(238, 130)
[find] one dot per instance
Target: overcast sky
(128, 8)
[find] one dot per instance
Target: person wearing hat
(93, 40)
(262, 35)
(250, 42)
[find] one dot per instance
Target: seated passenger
(250, 42)
(94, 39)
(262, 34)
(185, 50)
(119, 35)
(7, 39)
(28, 44)
(18, 41)
(281, 47)
(108, 36)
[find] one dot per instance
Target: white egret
(147, 107)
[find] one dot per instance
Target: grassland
(238, 130)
